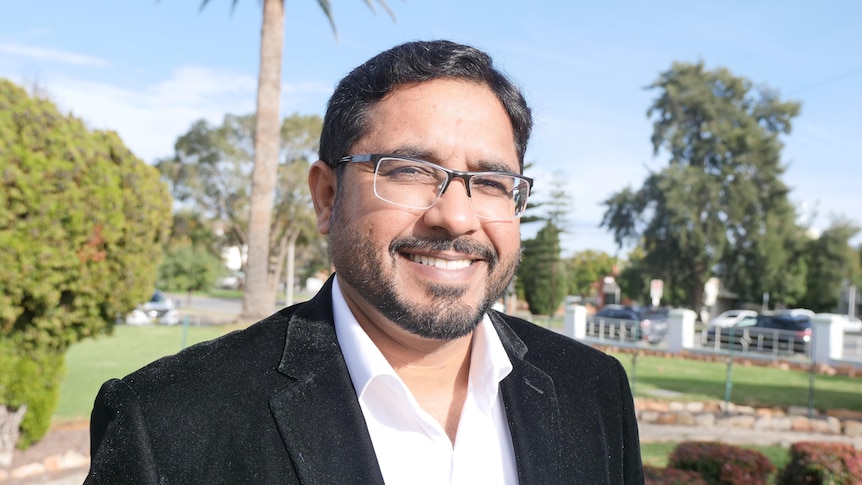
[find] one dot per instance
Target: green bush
(671, 476)
(721, 464)
(20, 371)
(816, 463)
(82, 226)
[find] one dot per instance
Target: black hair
(346, 119)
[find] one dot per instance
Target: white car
(731, 318)
(160, 309)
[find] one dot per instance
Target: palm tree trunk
(260, 291)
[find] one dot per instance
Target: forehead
(449, 120)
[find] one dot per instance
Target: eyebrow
(429, 156)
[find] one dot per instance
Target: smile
(440, 263)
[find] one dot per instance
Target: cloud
(150, 118)
(52, 55)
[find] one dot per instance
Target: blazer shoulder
(549, 349)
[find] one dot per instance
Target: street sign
(656, 288)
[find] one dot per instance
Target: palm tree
(261, 276)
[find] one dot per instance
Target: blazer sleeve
(120, 448)
(631, 460)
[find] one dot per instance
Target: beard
(443, 315)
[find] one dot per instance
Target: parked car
(654, 323)
(628, 323)
(161, 309)
(781, 332)
(730, 318)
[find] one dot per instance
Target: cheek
(506, 239)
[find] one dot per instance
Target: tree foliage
(189, 268)
(720, 206)
(542, 273)
(82, 221)
(212, 165)
(585, 270)
(82, 224)
(832, 263)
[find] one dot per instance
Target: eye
(405, 171)
(497, 186)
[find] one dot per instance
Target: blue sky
(149, 69)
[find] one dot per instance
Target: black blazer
(274, 403)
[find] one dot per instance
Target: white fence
(828, 343)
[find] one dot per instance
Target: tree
(210, 169)
(188, 268)
(832, 263)
(585, 269)
(720, 203)
(542, 272)
(82, 226)
(259, 297)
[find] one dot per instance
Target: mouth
(448, 264)
(443, 254)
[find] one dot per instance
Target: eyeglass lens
(418, 185)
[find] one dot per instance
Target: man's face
(431, 272)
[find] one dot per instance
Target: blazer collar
(318, 415)
(533, 412)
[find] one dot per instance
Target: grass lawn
(752, 385)
(656, 454)
(93, 361)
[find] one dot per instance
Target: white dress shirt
(411, 446)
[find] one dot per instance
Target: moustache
(467, 247)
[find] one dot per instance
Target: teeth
(440, 263)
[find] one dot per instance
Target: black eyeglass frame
(451, 174)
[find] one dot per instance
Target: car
(160, 309)
(769, 332)
(730, 318)
(628, 323)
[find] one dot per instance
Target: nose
(453, 212)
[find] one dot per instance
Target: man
(397, 370)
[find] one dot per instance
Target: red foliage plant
(818, 463)
(722, 464)
(671, 476)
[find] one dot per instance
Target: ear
(323, 185)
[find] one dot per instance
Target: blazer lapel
(533, 413)
(318, 415)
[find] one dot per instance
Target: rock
(763, 422)
(649, 416)
(853, 429)
(705, 420)
(694, 407)
(800, 424)
(28, 470)
(685, 418)
(782, 423)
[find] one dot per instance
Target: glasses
(417, 184)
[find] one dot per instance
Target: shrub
(82, 225)
(721, 464)
(21, 369)
(671, 476)
(816, 463)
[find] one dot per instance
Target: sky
(149, 69)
